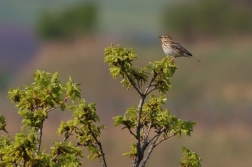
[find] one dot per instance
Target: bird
(174, 49)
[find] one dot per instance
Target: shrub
(148, 123)
(80, 19)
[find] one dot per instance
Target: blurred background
(70, 37)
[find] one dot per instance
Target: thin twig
(143, 132)
(138, 84)
(66, 137)
(66, 97)
(150, 83)
(146, 142)
(149, 91)
(165, 138)
(40, 136)
(104, 164)
(145, 116)
(41, 127)
(68, 134)
(154, 137)
(133, 83)
(132, 132)
(148, 130)
(55, 156)
(150, 151)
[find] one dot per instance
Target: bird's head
(165, 38)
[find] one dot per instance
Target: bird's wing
(180, 48)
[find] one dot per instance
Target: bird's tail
(195, 58)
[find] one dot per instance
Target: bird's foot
(172, 60)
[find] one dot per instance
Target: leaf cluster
(190, 159)
(34, 103)
(120, 65)
(148, 122)
(2, 123)
(154, 117)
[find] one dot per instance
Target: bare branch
(40, 128)
(64, 101)
(145, 140)
(149, 91)
(143, 132)
(138, 129)
(55, 156)
(104, 164)
(138, 84)
(150, 84)
(40, 136)
(133, 83)
(148, 130)
(145, 116)
(66, 137)
(150, 151)
(165, 138)
(154, 137)
(132, 132)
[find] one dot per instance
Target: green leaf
(118, 120)
(54, 77)
(190, 159)
(133, 153)
(2, 123)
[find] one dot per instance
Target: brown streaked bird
(174, 49)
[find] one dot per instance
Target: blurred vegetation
(80, 19)
(208, 18)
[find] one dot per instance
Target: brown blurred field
(216, 93)
(212, 93)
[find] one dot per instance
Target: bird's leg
(172, 60)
